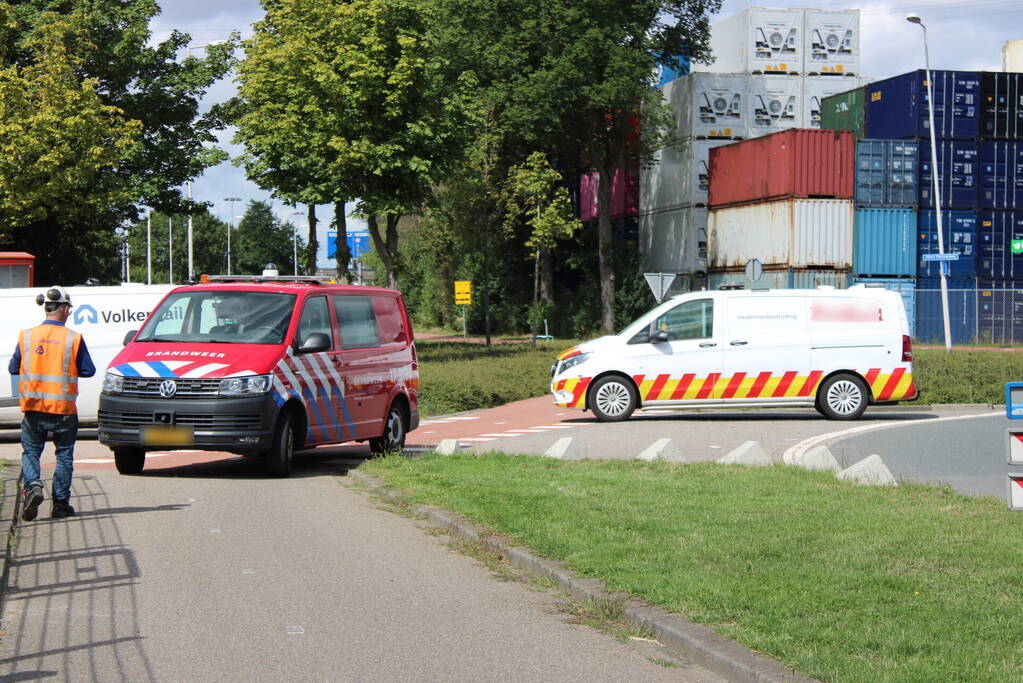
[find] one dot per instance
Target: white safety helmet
(54, 295)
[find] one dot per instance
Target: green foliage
(59, 143)
(143, 95)
(536, 195)
(457, 377)
(841, 582)
(262, 238)
(964, 376)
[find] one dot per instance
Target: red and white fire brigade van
(263, 366)
(836, 350)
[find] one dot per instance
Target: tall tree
(150, 87)
(340, 101)
(263, 238)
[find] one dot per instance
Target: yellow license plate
(168, 435)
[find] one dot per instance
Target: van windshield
(218, 316)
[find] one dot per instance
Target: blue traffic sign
(940, 257)
(358, 244)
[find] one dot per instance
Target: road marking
(214, 531)
(558, 426)
(803, 446)
(710, 445)
(458, 419)
(527, 431)
(248, 571)
(502, 422)
(294, 630)
(93, 461)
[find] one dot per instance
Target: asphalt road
(212, 572)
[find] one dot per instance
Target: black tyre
(282, 448)
(395, 429)
(842, 397)
(612, 398)
(129, 460)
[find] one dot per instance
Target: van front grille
(201, 422)
(186, 387)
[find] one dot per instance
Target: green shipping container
(845, 111)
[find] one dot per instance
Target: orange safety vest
(49, 369)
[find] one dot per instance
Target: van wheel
(395, 429)
(278, 458)
(129, 460)
(842, 397)
(612, 398)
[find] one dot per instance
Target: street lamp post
(935, 172)
(230, 228)
(149, 247)
(294, 241)
(191, 269)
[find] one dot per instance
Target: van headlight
(113, 384)
(245, 386)
(572, 361)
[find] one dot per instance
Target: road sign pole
(465, 336)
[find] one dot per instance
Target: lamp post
(149, 247)
(935, 172)
(191, 270)
(294, 241)
(230, 228)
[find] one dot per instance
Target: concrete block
(817, 458)
(871, 471)
(563, 449)
(448, 447)
(662, 449)
(749, 453)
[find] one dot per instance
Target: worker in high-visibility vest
(49, 359)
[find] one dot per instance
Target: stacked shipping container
(978, 120)
(774, 69)
(786, 201)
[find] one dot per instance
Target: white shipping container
(757, 40)
(816, 88)
(674, 241)
(797, 232)
(678, 178)
(774, 103)
(709, 105)
(831, 41)
(1012, 56)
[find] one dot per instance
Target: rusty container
(794, 164)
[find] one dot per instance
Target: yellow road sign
(463, 292)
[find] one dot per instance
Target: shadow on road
(305, 464)
(763, 416)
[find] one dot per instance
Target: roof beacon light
(270, 270)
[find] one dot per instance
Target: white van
(836, 350)
(104, 315)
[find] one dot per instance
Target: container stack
(979, 130)
(784, 201)
(773, 70)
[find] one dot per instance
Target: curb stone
(10, 507)
(697, 643)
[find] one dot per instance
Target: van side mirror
(315, 342)
(659, 336)
(128, 337)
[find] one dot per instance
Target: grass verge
(455, 376)
(841, 582)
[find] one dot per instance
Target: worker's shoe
(61, 509)
(31, 499)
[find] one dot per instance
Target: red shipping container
(800, 163)
(624, 193)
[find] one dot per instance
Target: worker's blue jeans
(35, 427)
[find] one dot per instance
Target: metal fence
(976, 316)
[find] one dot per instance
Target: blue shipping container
(886, 172)
(1001, 175)
(897, 106)
(904, 286)
(884, 242)
(962, 310)
(958, 174)
(960, 236)
(664, 74)
(995, 232)
(1000, 311)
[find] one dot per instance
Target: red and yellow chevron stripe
(894, 385)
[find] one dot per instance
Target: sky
(961, 35)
